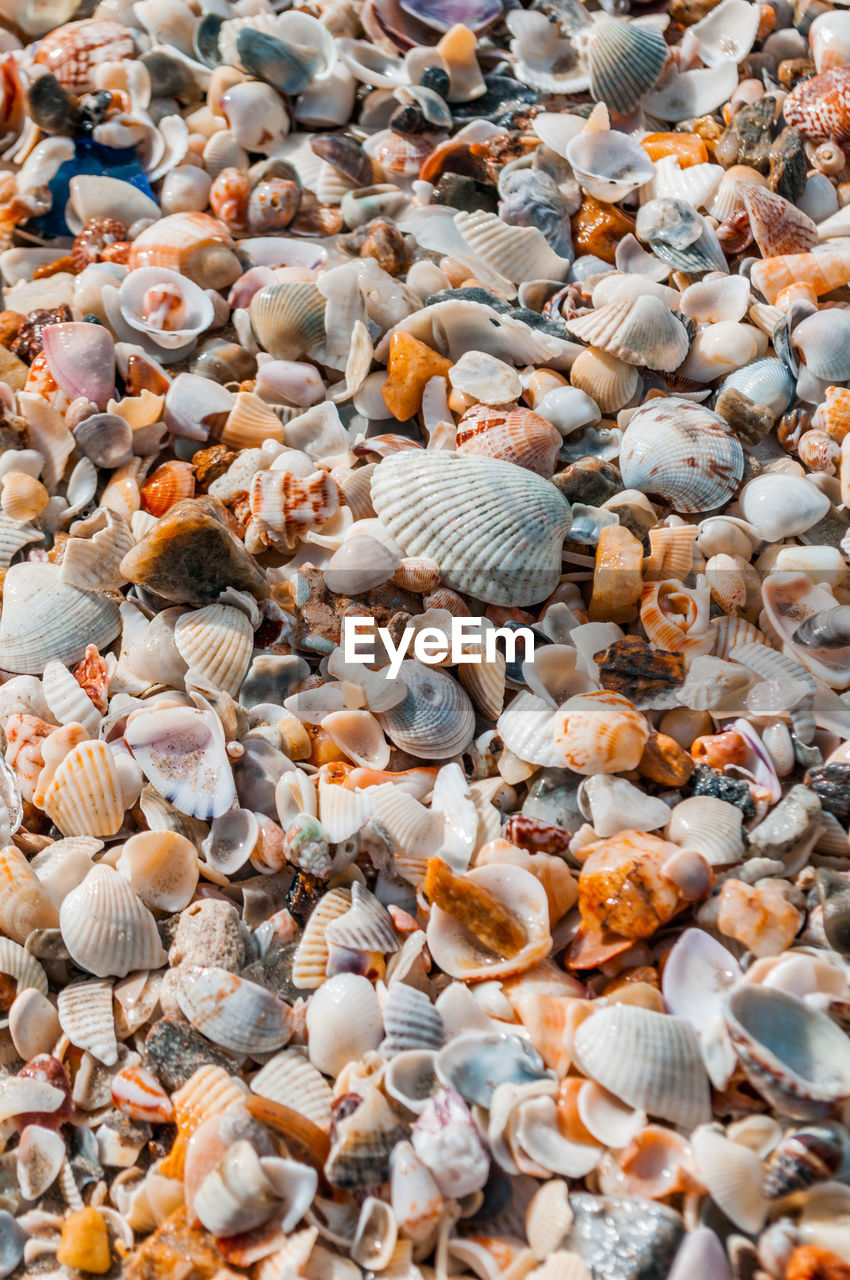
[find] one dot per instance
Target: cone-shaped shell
(682, 453)
(289, 318)
(778, 226)
(494, 529)
(625, 60)
(85, 797)
(436, 720)
(823, 271)
(216, 643)
(85, 1016)
(642, 331)
(42, 618)
(107, 929)
(649, 1060)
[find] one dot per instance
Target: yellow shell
(23, 497)
(599, 733)
(209, 1092)
(607, 380)
(84, 796)
(24, 904)
(250, 422)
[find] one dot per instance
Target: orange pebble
(767, 21)
(598, 228)
(811, 1263)
(720, 749)
(686, 147)
(411, 365)
(84, 1244)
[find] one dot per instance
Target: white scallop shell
(711, 826)
(733, 1176)
(642, 331)
(291, 1079)
(42, 618)
(310, 961)
(85, 1016)
(436, 720)
(85, 795)
(518, 253)
(683, 453)
(19, 964)
(216, 643)
(410, 1021)
(233, 1012)
(107, 929)
(366, 926)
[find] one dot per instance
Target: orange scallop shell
(511, 433)
(169, 483)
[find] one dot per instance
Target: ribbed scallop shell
(607, 380)
(85, 1016)
(24, 903)
(107, 929)
(515, 435)
(485, 682)
(289, 319)
(169, 483)
(251, 422)
(833, 413)
(682, 453)
(599, 733)
(642, 331)
(410, 1021)
(709, 825)
(292, 1080)
(68, 702)
(649, 1060)
(310, 962)
(42, 618)
(366, 926)
(820, 107)
(19, 964)
(209, 1092)
(625, 60)
(23, 497)
(733, 1175)
(92, 563)
(517, 253)
(494, 529)
(767, 381)
(216, 643)
(84, 796)
(778, 226)
(233, 1012)
(435, 720)
(74, 51)
(13, 536)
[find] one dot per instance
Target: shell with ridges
(610, 382)
(366, 926)
(624, 59)
(85, 1015)
(310, 962)
(233, 1012)
(435, 720)
(683, 453)
(192, 244)
(642, 331)
(410, 1021)
(67, 701)
(216, 643)
(19, 964)
(107, 929)
(85, 795)
(289, 319)
(514, 434)
(778, 226)
(291, 1079)
(43, 618)
(24, 903)
(518, 253)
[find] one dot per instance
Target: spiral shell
(683, 453)
(820, 107)
(193, 244)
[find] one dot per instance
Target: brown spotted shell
(820, 107)
(511, 433)
(74, 51)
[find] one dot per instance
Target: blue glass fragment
(90, 157)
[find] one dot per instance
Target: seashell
(81, 359)
(784, 1045)
(782, 506)
(640, 332)
(343, 1022)
(823, 272)
(190, 244)
(74, 51)
(85, 1015)
(410, 1021)
(181, 752)
(517, 253)
(821, 340)
(24, 903)
(814, 1153)
(107, 929)
(675, 432)
(767, 382)
(85, 795)
(716, 299)
(246, 1189)
(778, 226)
(435, 720)
(709, 825)
(460, 954)
(162, 867)
(164, 306)
(624, 61)
(696, 184)
(608, 164)
(410, 1078)
(683, 95)
(68, 703)
(365, 926)
(23, 967)
(477, 1063)
(39, 1158)
(290, 1079)
(376, 1235)
(23, 497)
(288, 319)
(609, 382)
(793, 602)
(167, 484)
(732, 1176)
(216, 643)
(233, 1012)
(310, 961)
(43, 618)
(678, 235)
(818, 106)
(25, 1095)
(290, 506)
(514, 435)
(288, 67)
(544, 58)
(598, 733)
(656, 1065)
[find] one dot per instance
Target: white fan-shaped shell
(518, 253)
(436, 720)
(649, 1060)
(410, 1021)
(292, 1080)
(494, 529)
(709, 825)
(366, 926)
(310, 962)
(18, 963)
(85, 795)
(640, 331)
(683, 453)
(233, 1012)
(85, 1015)
(733, 1176)
(107, 929)
(42, 618)
(216, 643)
(343, 1022)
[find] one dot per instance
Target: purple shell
(443, 14)
(81, 357)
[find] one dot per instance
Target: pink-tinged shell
(599, 733)
(192, 243)
(24, 736)
(399, 153)
(74, 51)
(778, 226)
(81, 357)
(289, 506)
(138, 1094)
(833, 413)
(820, 107)
(511, 433)
(229, 198)
(823, 271)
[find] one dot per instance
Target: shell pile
(414, 313)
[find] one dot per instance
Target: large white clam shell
(181, 751)
(43, 618)
(107, 929)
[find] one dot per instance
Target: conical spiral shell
(683, 453)
(495, 530)
(85, 796)
(216, 643)
(820, 107)
(107, 929)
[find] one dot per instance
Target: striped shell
(74, 51)
(107, 929)
(410, 1021)
(366, 926)
(515, 435)
(778, 226)
(233, 1012)
(640, 331)
(43, 618)
(216, 643)
(19, 964)
(250, 422)
(495, 530)
(599, 733)
(292, 1080)
(92, 563)
(24, 903)
(211, 1091)
(823, 271)
(833, 413)
(290, 506)
(820, 107)
(289, 319)
(310, 962)
(85, 1016)
(682, 453)
(610, 382)
(84, 797)
(625, 60)
(435, 720)
(194, 244)
(23, 497)
(517, 253)
(68, 702)
(169, 483)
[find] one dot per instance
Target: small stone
(664, 762)
(386, 244)
(209, 932)
(85, 1242)
(176, 1249)
(705, 781)
(790, 72)
(750, 421)
(459, 192)
(33, 1024)
(760, 916)
(635, 668)
(10, 323)
(831, 784)
(590, 480)
(788, 164)
(174, 1052)
(598, 228)
(191, 556)
(411, 364)
(617, 576)
(211, 463)
(634, 510)
(12, 370)
(624, 1237)
(27, 343)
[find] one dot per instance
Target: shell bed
(410, 312)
